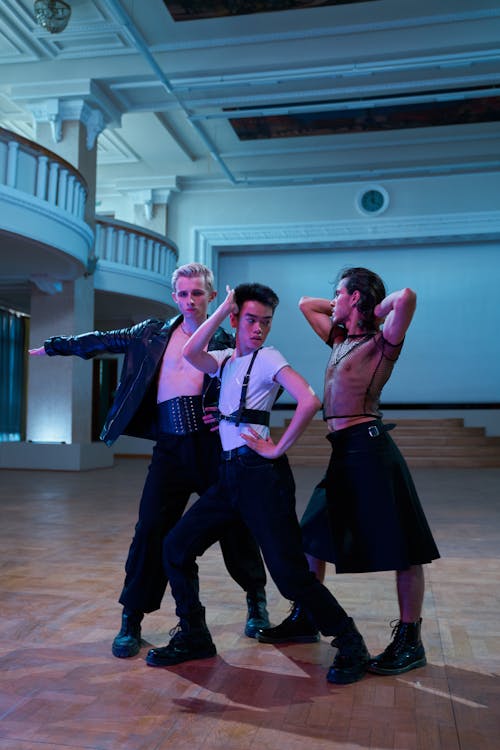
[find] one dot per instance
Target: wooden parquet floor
(63, 540)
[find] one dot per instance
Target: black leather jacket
(133, 411)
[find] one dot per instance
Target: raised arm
(194, 348)
(307, 406)
(318, 313)
(397, 310)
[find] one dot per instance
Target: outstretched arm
(397, 309)
(88, 345)
(307, 406)
(194, 348)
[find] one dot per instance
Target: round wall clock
(373, 200)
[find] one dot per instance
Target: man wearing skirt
(374, 514)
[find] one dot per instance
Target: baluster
(157, 257)
(82, 199)
(133, 241)
(152, 267)
(110, 243)
(161, 259)
(166, 260)
(126, 248)
(170, 264)
(120, 249)
(76, 199)
(12, 163)
(53, 175)
(148, 265)
(173, 263)
(141, 252)
(98, 240)
(63, 186)
(41, 177)
(70, 193)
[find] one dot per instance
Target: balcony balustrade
(30, 168)
(133, 261)
(43, 198)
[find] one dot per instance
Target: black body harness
(252, 416)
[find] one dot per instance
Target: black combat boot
(404, 652)
(190, 640)
(352, 659)
(257, 617)
(128, 641)
(296, 628)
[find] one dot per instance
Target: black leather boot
(257, 617)
(190, 640)
(296, 628)
(404, 652)
(352, 659)
(128, 641)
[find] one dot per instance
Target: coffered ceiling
(313, 92)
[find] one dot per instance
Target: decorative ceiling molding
(445, 60)
(370, 27)
(148, 199)
(55, 112)
(329, 176)
(156, 190)
(441, 228)
(153, 70)
(310, 96)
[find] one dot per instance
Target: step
(423, 443)
(423, 462)
(410, 450)
(413, 439)
(319, 427)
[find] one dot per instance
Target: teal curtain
(13, 335)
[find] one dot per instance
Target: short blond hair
(194, 269)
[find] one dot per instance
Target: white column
(59, 388)
(59, 410)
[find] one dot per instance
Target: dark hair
(255, 293)
(371, 289)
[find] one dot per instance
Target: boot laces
(175, 633)
(398, 642)
(293, 612)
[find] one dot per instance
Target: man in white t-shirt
(255, 484)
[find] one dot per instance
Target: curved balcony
(133, 261)
(42, 207)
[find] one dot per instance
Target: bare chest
(176, 376)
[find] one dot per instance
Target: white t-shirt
(261, 393)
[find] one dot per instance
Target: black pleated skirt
(365, 515)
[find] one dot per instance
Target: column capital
(56, 111)
(148, 198)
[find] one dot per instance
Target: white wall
(465, 204)
(439, 235)
(452, 351)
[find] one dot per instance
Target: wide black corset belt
(181, 416)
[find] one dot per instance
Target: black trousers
(181, 465)
(262, 493)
